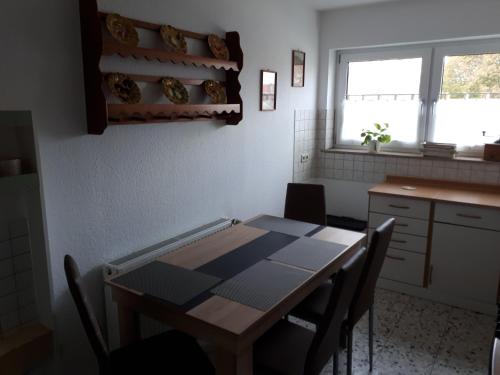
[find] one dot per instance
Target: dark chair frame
(326, 340)
(363, 300)
(306, 202)
(364, 297)
(145, 354)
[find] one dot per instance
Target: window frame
(430, 81)
(436, 80)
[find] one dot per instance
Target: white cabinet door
(466, 262)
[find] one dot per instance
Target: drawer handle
(395, 258)
(400, 225)
(400, 207)
(399, 241)
(470, 216)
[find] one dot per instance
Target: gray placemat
(308, 253)
(279, 224)
(167, 282)
(262, 285)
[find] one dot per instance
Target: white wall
(106, 196)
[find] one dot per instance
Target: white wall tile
(24, 280)
(4, 232)
(438, 173)
(7, 286)
(20, 245)
(6, 268)
(5, 251)
(491, 177)
(348, 164)
(22, 262)
(27, 314)
(463, 175)
(18, 228)
(9, 321)
(390, 168)
(358, 165)
(348, 174)
(368, 166)
(8, 304)
(450, 173)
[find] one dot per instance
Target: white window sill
(411, 155)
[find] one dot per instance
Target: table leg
(227, 363)
(128, 321)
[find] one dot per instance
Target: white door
(466, 262)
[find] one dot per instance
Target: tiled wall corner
(17, 296)
(308, 137)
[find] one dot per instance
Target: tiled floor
(416, 336)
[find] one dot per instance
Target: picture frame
(298, 68)
(268, 90)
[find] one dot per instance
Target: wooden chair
(172, 352)
(313, 308)
(289, 349)
(306, 202)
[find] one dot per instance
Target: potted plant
(374, 138)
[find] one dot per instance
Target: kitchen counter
(442, 191)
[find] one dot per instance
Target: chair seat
(312, 309)
(172, 353)
(282, 350)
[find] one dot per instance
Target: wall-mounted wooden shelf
(100, 113)
(145, 113)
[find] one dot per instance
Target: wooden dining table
(230, 326)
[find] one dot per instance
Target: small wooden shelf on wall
(100, 113)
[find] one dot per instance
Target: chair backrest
(327, 337)
(365, 291)
(85, 311)
(306, 202)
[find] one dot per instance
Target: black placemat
(167, 282)
(245, 256)
(281, 225)
(262, 285)
(308, 253)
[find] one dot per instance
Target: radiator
(149, 326)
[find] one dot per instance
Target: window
(441, 93)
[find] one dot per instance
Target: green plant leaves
(379, 134)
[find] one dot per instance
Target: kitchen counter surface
(442, 191)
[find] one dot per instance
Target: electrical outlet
(304, 158)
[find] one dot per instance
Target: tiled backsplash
(314, 133)
(17, 297)
(369, 168)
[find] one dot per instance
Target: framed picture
(298, 68)
(268, 82)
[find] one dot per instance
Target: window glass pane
(385, 91)
(469, 101)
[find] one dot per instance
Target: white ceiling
(330, 4)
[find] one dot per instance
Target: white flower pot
(373, 147)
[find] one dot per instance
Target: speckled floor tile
(416, 336)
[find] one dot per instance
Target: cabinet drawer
(404, 267)
(415, 208)
(406, 242)
(477, 217)
(403, 224)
